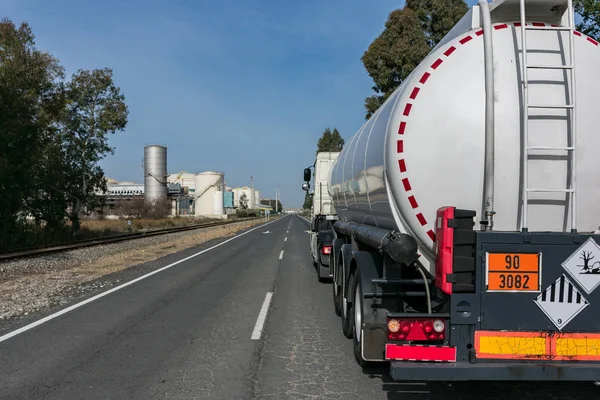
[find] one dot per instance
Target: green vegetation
(330, 141)
(54, 131)
(409, 35)
(589, 10)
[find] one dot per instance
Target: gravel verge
(33, 285)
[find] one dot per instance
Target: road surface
(245, 320)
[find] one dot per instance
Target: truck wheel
(357, 319)
(347, 311)
(336, 298)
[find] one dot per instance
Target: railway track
(48, 249)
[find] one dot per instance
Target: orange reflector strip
(577, 346)
(537, 345)
(511, 345)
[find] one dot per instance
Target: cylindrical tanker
(424, 148)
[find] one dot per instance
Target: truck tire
(347, 311)
(357, 319)
(336, 287)
(336, 298)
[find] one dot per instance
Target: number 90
(512, 262)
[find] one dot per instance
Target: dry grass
(114, 226)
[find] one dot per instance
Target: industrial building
(200, 194)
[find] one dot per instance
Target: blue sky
(243, 87)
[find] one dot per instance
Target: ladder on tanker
(569, 108)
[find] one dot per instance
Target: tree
(437, 17)
(307, 201)
(28, 105)
(95, 109)
(589, 10)
(409, 35)
(330, 141)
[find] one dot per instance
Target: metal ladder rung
(552, 106)
(548, 28)
(568, 67)
(551, 190)
(571, 148)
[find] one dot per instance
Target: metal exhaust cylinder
(400, 247)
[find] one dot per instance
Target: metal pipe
(524, 119)
(488, 172)
(573, 121)
(400, 247)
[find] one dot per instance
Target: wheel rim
(357, 314)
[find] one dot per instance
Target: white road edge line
(100, 295)
(281, 255)
(262, 317)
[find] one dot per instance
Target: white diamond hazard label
(584, 265)
(561, 302)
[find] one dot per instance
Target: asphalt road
(187, 332)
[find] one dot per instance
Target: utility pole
(276, 206)
(252, 195)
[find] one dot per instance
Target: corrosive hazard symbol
(561, 302)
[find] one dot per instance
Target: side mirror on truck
(305, 187)
(306, 174)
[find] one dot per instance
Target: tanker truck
(467, 243)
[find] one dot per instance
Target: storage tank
(207, 183)
(424, 148)
(248, 193)
(256, 199)
(218, 202)
(155, 173)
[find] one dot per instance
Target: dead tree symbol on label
(587, 256)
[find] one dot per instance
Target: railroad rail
(48, 249)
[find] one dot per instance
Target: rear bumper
(465, 371)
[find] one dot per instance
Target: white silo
(207, 184)
(155, 173)
(246, 194)
(218, 202)
(256, 199)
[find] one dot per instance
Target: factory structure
(193, 194)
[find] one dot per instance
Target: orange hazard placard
(513, 272)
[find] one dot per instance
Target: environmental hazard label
(561, 302)
(584, 265)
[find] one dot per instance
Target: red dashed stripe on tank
(415, 92)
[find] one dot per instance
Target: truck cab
(322, 214)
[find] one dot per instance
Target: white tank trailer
(155, 173)
(425, 147)
(508, 141)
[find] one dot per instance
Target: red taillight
(444, 247)
(326, 250)
(416, 329)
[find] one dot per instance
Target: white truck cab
(323, 214)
